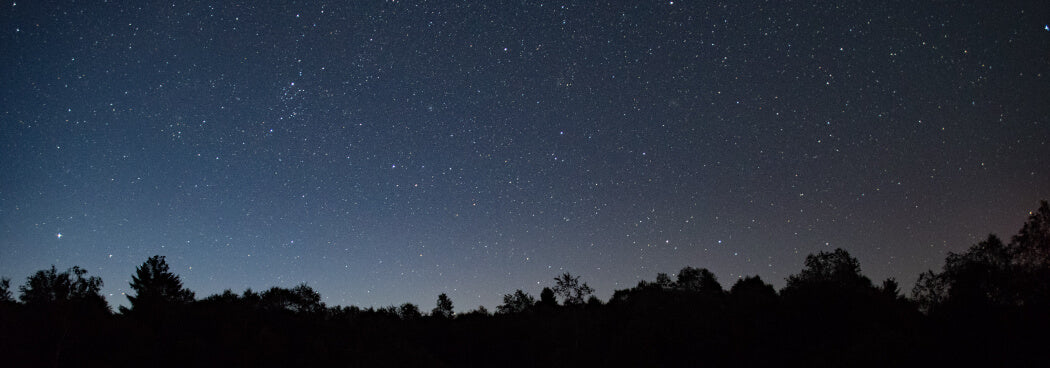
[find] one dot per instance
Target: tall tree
(156, 287)
(443, 308)
(571, 290)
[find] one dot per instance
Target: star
(476, 170)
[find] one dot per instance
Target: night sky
(387, 151)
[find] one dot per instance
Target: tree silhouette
(516, 303)
(443, 308)
(1031, 257)
(698, 280)
(156, 288)
(52, 288)
(480, 312)
(60, 319)
(1031, 245)
(984, 307)
(388, 311)
(227, 297)
(300, 299)
(991, 274)
(752, 289)
(547, 298)
(663, 281)
(993, 297)
(571, 290)
(594, 302)
(409, 312)
(890, 289)
(5, 290)
(982, 275)
(692, 283)
(930, 291)
(251, 298)
(835, 269)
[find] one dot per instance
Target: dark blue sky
(388, 151)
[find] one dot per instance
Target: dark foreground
(988, 306)
(675, 333)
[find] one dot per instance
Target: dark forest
(987, 306)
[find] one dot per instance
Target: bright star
(59, 235)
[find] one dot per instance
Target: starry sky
(388, 151)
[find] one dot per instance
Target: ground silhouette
(986, 306)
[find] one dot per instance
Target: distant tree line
(989, 305)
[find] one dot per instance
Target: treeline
(988, 306)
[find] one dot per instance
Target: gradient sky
(388, 151)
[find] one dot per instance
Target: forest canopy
(985, 305)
